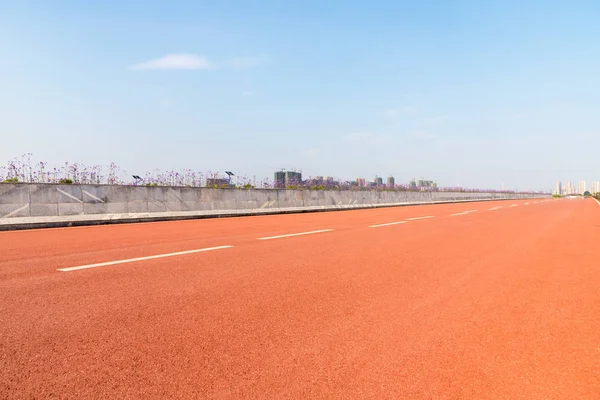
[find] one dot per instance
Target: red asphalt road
(500, 304)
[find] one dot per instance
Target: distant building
(293, 178)
(570, 189)
(212, 182)
(279, 180)
(391, 182)
(422, 183)
(595, 187)
(287, 178)
(558, 188)
(581, 187)
(378, 181)
(361, 182)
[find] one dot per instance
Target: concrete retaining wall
(49, 200)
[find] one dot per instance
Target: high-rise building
(569, 189)
(287, 178)
(558, 188)
(279, 179)
(293, 178)
(581, 187)
(361, 182)
(378, 180)
(595, 187)
(391, 182)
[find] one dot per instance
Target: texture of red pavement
(499, 304)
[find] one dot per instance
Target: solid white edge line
(104, 264)
(294, 234)
(596, 200)
(417, 218)
(388, 224)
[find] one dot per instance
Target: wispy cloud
(243, 62)
(176, 61)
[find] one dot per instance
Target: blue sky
(463, 92)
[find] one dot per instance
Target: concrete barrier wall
(45, 200)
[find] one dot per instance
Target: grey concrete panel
(95, 208)
(210, 194)
(155, 194)
(228, 205)
(156, 206)
(115, 194)
(248, 205)
(14, 193)
(190, 194)
(189, 205)
(205, 205)
(43, 210)
(138, 193)
(173, 206)
(116, 208)
(69, 194)
(43, 194)
(173, 195)
(70, 208)
(14, 210)
(95, 194)
(137, 206)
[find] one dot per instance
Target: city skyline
(577, 187)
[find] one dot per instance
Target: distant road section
(489, 300)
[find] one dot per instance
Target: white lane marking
(463, 213)
(494, 208)
(10, 214)
(69, 195)
(104, 264)
(514, 205)
(295, 234)
(598, 202)
(388, 224)
(417, 218)
(526, 204)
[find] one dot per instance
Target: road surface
(490, 300)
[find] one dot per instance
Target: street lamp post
(230, 174)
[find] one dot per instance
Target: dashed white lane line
(514, 205)
(417, 218)
(105, 264)
(295, 234)
(494, 208)
(526, 204)
(463, 213)
(388, 224)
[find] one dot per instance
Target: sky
(482, 94)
